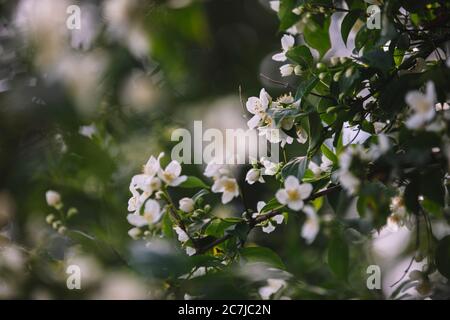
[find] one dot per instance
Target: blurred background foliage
(81, 113)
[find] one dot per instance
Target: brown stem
(263, 218)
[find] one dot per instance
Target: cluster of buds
(53, 199)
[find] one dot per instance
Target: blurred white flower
(311, 226)
(422, 106)
(293, 193)
(215, 171)
(186, 204)
(53, 199)
(254, 175)
(88, 131)
(152, 214)
(135, 233)
(228, 187)
(171, 174)
(275, 5)
(324, 166)
(257, 107)
(121, 286)
(138, 92)
(272, 287)
(287, 42)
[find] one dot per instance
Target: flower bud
(322, 76)
(337, 76)
(50, 218)
(53, 199)
(321, 66)
(135, 233)
(298, 70)
(62, 230)
(334, 61)
(186, 205)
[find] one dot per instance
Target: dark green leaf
(296, 167)
(262, 254)
(193, 182)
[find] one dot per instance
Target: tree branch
(252, 224)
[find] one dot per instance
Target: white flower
(254, 175)
(228, 187)
(171, 174)
(146, 181)
(136, 220)
(152, 166)
(88, 131)
(348, 181)
(269, 226)
(270, 168)
(287, 42)
(287, 69)
(182, 236)
(215, 171)
(148, 184)
(53, 199)
(422, 106)
(134, 233)
(293, 193)
(152, 213)
(273, 286)
(257, 107)
(317, 170)
(275, 5)
(379, 149)
(190, 251)
(274, 134)
(311, 226)
(186, 204)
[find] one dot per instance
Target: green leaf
(315, 130)
(328, 153)
(347, 24)
(338, 256)
(301, 55)
(379, 59)
(316, 34)
(285, 14)
(272, 205)
(443, 256)
(193, 182)
(296, 167)
(305, 87)
(239, 230)
(262, 254)
(217, 227)
(167, 226)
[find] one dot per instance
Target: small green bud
(62, 230)
(322, 76)
(50, 218)
(349, 72)
(321, 66)
(337, 76)
(72, 212)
